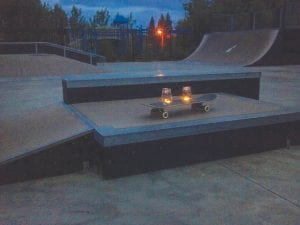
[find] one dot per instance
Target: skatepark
(76, 139)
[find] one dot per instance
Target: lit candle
(166, 96)
(186, 96)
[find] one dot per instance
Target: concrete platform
(138, 84)
(133, 113)
(254, 189)
(133, 142)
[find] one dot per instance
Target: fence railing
(285, 17)
(49, 48)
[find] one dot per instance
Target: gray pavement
(208, 193)
(256, 189)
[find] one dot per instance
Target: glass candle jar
(186, 95)
(166, 96)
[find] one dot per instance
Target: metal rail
(67, 52)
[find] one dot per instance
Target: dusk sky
(142, 9)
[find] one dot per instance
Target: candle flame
(167, 101)
(186, 99)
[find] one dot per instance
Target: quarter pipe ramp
(245, 48)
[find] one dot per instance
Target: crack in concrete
(260, 185)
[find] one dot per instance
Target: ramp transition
(253, 47)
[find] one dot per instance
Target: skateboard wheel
(205, 108)
(165, 115)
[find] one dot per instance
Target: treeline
(30, 20)
(159, 40)
(199, 13)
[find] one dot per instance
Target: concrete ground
(256, 189)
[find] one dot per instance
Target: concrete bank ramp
(245, 48)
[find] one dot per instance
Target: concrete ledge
(116, 86)
(137, 149)
(108, 80)
(124, 160)
(109, 136)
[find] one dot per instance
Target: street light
(160, 33)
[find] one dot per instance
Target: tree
(45, 25)
(168, 24)
(101, 18)
(77, 20)
(199, 14)
(131, 21)
(240, 6)
(161, 24)
(59, 22)
(22, 20)
(151, 28)
(197, 17)
(151, 42)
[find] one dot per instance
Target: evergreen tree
(161, 24)
(77, 20)
(168, 24)
(101, 18)
(151, 28)
(131, 21)
(21, 20)
(30, 20)
(45, 25)
(151, 41)
(60, 23)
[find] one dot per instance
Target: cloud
(51, 2)
(141, 14)
(142, 10)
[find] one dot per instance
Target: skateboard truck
(157, 112)
(200, 107)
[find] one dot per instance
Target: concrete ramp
(245, 48)
(48, 141)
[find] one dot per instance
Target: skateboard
(199, 104)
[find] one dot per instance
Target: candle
(186, 96)
(166, 96)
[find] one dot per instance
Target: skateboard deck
(198, 104)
